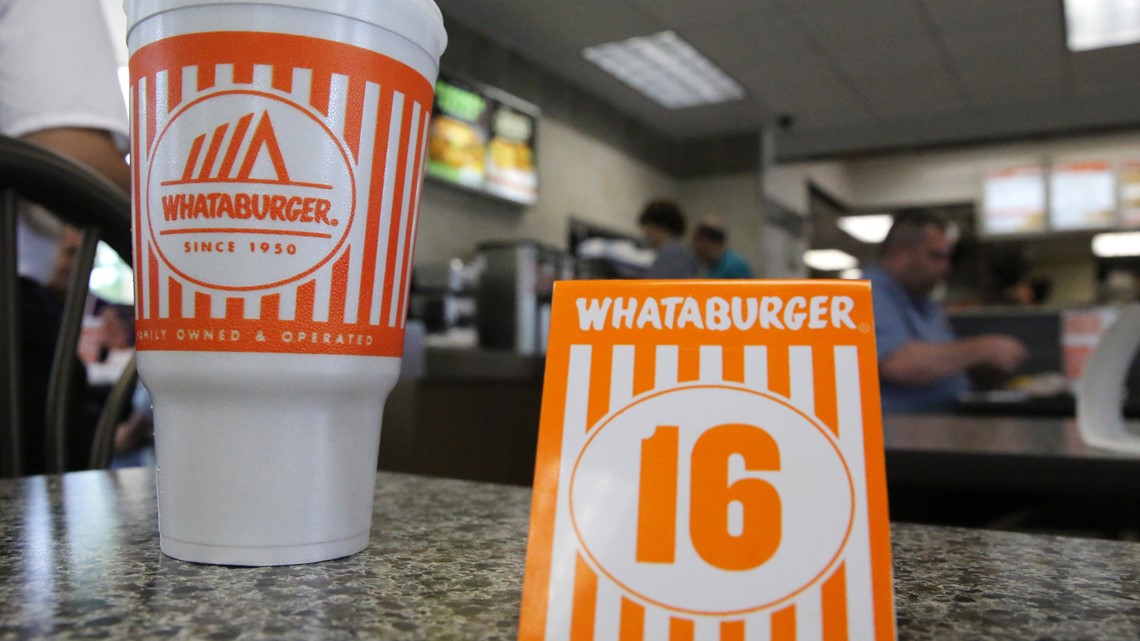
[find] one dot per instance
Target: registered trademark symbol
(864, 327)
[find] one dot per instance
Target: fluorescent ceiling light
(869, 228)
(666, 69)
(829, 260)
(1094, 24)
(1116, 244)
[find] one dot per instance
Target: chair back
(101, 211)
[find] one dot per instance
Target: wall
(735, 200)
(939, 177)
(1073, 279)
(788, 184)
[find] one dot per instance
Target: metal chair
(101, 212)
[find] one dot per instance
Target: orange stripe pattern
(171, 74)
(826, 602)
(585, 602)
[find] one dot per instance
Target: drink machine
(513, 302)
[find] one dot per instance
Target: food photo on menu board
(1014, 201)
(458, 138)
(1082, 195)
(510, 166)
(1130, 193)
(484, 140)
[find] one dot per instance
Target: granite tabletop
(79, 559)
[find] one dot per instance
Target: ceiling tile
(708, 120)
(548, 25)
(686, 13)
(1115, 67)
(1009, 15)
(996, 41)
(809, 69)
(888, 57)
(756, 36)
(822, 106)
(910, 94)
(855, 21)
(988, 86)
(830, 63)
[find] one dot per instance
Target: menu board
(1130, 193)
(1082, 195)
(1014, 201)
(484, 140)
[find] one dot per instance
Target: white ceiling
(856, 75)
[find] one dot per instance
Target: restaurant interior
(804, 127)
(847, 114)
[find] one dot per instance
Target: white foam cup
(277, 156)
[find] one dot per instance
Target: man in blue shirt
(922, 365)
(710, 245)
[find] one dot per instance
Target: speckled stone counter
(79, 559)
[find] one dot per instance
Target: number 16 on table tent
(693, 485)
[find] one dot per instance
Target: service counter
(473, 414)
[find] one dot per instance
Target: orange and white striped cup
(277, 155)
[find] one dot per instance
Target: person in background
(58, 89)
(710, 242)
(66, 99)
(59, 83)
(1009, 280)
(663, 225)
(922, 365)
(134, 437)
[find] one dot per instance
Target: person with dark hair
(1009, 280)
(710, 243)
(922, 365)
(663, 225)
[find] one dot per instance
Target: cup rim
(418, 20)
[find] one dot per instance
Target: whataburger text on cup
(277, 155)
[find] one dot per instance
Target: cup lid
(417, 20)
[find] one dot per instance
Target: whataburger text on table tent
(710, 466)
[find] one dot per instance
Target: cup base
(261, 556)
(265, 459)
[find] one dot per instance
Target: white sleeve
(58, 69)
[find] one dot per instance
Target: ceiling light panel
(1095, 24)
(1116, 244)
(870, 228)
(666, 69)
(829, 260)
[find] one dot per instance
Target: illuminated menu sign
(1130, 193)
(1014, 201)
(1082, 195)
(484, 140)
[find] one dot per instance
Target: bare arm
(91, 147)
(921, 363)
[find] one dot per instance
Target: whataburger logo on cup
(277, 190)
(235, 208)
(710, 466)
